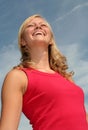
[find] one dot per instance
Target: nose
(38, 27)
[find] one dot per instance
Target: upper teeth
(38, 32)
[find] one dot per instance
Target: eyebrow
(35, 22)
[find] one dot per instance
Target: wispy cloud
(71, 11)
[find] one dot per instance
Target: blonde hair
(57, 60)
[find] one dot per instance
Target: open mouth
(38, 33)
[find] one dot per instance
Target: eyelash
(44, 25)
(32, 25)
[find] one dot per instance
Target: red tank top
(53, 103)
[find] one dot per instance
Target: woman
(40, 85)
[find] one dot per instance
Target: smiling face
(36, 31)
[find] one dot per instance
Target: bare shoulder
(17, 78)
(16, 73)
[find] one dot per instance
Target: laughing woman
(40, 86)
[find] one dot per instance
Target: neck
(39, 57)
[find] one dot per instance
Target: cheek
(27, 35)
(49, 35)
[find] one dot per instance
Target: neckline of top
(42, 72)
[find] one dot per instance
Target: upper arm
(12, 93)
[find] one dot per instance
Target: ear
(50, 43)
(23, 42)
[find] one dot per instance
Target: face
(37, 32)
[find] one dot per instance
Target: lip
(38, 32)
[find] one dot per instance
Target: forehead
(37, 20)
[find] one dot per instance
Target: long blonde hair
(57, 60)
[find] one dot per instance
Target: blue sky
(69, 20)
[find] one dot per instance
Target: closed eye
(43, 25)
(30, 25)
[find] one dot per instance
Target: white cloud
(79, 66)
(9, 56)
(24, 124)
